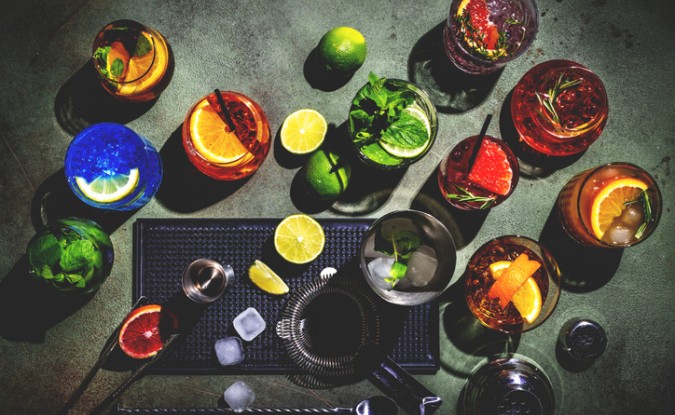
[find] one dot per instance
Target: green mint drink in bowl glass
(73, 256)
(392, 123)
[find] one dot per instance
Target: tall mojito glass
(71, 255)
(131, 60)
(392, 123)
(109, 166)
(481, 36)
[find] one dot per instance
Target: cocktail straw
(479, 141)
(224, 111)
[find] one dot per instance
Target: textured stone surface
(259, 48)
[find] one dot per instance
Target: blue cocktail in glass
(109, 166)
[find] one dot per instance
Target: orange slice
(512, 279)
(610, 202)
(117, 61)
(144, 72)
(145, 329)
(212, 138)
(527, 299)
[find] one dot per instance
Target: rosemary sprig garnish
(547, 100)
(476, 39)
(646, 209)
(464, 195)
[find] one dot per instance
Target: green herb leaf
(59, 277)
(143, 46)
(45, 272)
(405, 243)
(406, 132)
(47, 251)
(466, 196)
(97, 259)
(77, 255)
(117, 68)
(76, 280)
(101, 57)
(89, 274)
(396, 273)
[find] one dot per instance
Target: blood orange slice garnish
(512, 279)
(480, 33)
(491, 169)
(145, 330)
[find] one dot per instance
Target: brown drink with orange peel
(512, 284)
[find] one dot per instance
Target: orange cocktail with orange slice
(133, 61)
(226, 135)
(512, 284)
(612, 206)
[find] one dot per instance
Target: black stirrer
(479, 141)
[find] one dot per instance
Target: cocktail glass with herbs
(226, 135)
(512, 284)
(392, 123)
(109, 166)
(559, 108)
(71, 255)
(612, 206)
(408, 257)
(132, 60)
(481, 36)
(478, 173)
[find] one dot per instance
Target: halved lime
(109, 189)
(408, 153)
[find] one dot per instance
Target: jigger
(205, 280)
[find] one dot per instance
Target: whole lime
(327, 173)
(342, 50)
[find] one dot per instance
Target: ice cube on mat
(229, 351)
(249, 324)
(239, 396)
(422, 266)
(379, 269)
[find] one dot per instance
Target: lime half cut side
(408, 153)
(109, 189)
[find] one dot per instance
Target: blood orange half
(480, 33)
(145, 329)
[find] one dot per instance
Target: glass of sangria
(481, 36)
(478, 173)
(109, 166)
(512, 284)
(392, 123)
(616, 205)
(226, 135)
(559, 108)
(132, 60)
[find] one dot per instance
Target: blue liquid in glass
(106, 150)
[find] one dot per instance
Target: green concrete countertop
(260, 48)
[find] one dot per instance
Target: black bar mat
(163, 248)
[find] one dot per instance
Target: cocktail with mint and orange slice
(559, 108)
(481, 36)
(226, 135)
(132, 60)
(109, 166)
(478, 173)
(616, 205)
(512, 284)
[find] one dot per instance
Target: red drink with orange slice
(612, 206)
(132, 60)
(226, 137)
(512, 284)
(483, 184)
(481, 36)
(559, 108)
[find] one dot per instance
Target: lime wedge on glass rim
(408, 153)
(109, 189)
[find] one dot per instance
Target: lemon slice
(527, 299)
(611, 201)
(408, 153)
(267, 280)
(303, 131)
(109, 189)
(299, 239)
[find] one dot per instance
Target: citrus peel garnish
(527, 299)
(512, 279)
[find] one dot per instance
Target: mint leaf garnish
(401, 246)
(101, 58)
(406, 132)
(77, 255)
(45, 272)
(143, 46)
(117, 68)
(396, 273)
(47, 252)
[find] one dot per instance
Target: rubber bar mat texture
(163, 248)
